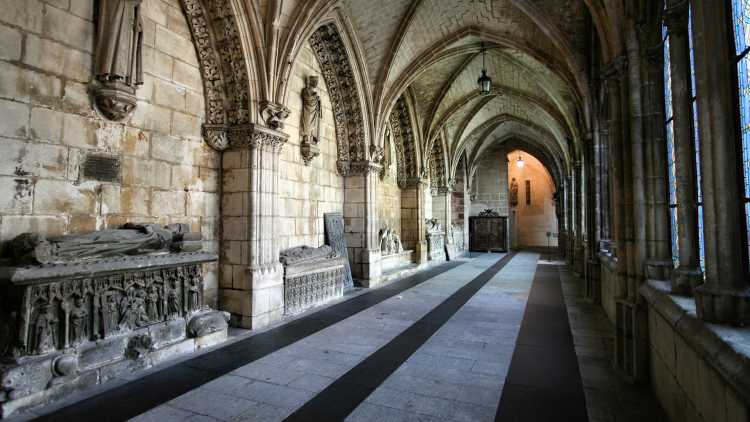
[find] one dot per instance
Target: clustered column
(724, 297)
(251, 286)
(688, 274)
(412, 218)
(361, 221)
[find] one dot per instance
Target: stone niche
(72, 323)
(392, 253)
(435, 240)
(312, 277)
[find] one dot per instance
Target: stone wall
(389, 197)
(307, 192)
(531, 222)
(48, 126)
(491, 179)
(691, 364)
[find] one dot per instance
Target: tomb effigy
(312, 276)
(81, 309)
(392, 253)
(334, 233)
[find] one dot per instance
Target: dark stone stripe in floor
(544, 382)
(341, 397)
(136, 397)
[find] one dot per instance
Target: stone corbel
(354, 168)
(216, 136)
(274, 114)
(223, 137)
(115, 100)
(308, 151)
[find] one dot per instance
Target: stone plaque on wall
(334, 230)
(102, 168)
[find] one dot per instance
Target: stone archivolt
(332, 57)
(402, 134)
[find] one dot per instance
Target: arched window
(741, 23)
(669, 131)
(696, 139)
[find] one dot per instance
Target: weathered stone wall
(609, 288)
(48, 126)
(307, 192)
(531, 223)
(685, 383)
(389, 198)
(491, 183)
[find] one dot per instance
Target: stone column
(252, 285)
(659, 258)
(724, 297)
(614, 75)
(442, 209)
(361, 223)
(580, 214)
(413, 217)
(688, 274)
(593, 287)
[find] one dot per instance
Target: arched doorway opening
(531, 202)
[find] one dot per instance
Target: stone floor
(436, 346)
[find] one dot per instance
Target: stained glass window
(669, 131)
(696, 139)
(741, 24)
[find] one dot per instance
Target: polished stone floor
(481, 339)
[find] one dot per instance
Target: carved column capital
(412, 183)
(358, 168)
(223, 137)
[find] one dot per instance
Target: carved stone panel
(334, 232)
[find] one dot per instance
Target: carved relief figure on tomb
(513, 193)
(119, 44)
(194, 288)
(112, 315)
(173, 299)
(312, 111)
(79, 323)
(44, 337)
(152, 304)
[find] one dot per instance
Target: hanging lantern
(519, 162)
(484, 81)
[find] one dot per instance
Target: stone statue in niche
(513, 193)
(152, 304)
(118, 66)
(130, 239)
(390, 242)
(312, 113)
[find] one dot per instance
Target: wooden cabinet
(488, 234)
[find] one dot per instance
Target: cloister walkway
(477, 339)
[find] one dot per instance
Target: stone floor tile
(163, 413)
(210, 403)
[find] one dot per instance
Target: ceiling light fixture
(484, 81)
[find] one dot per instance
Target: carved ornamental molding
(331, 54)
(222, 65)
(222, 137)
(437, 170)
(403, 138)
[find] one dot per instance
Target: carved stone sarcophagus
(312, 276)
(87, 317)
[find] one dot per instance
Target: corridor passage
(477, 339)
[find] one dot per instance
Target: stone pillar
(593, 286)
(580, 215)
(614, 75)
(252, 285)
(413, 218)
(688, 274)
(724, 297)
(361, 224)
(659, 257)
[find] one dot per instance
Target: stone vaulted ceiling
(430, 52)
